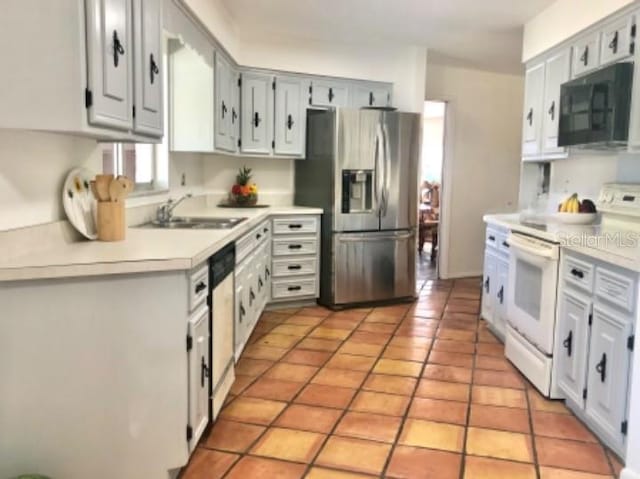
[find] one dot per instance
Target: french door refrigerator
(361, 167)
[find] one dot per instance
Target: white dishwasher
(221, 305)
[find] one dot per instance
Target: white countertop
(143, 250)
(620, 248)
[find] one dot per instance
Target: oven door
(531, 300)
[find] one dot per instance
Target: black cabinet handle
(295, 226)
(200, 287)
(260, 283)
(118, 49)
(601, 368)
(242, 311)
(331, 95)
(290, 122)
(577, 273)
(552, 110)
(258, 236)
(294, 288)
(153, 68)
(266, 230)
(223, 109)
(256, 119)
(492, 238)
(530, 117)
(294, 267)
(372, 99)
(295, 246)
(204, 371)
(501, 294)
(234, 115)
(613, 45)
(267, 272)
(506, 245)
(252, 296)
(486, 284)
(585, 56)
(568, 343)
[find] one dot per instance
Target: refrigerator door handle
(380, 193)
(387, 169)
(376, 192)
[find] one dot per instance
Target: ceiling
(485, 34)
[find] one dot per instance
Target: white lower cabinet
(490, 280)
(495, 280)
(199, 372)
(594, 347)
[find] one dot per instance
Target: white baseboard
(629, 474)
(462, 274)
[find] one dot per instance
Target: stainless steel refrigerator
(361, 167)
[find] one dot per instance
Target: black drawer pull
(258, 236)
(294, 267)
(295, 246)
(260, 283)
(201, 286)
(506, 245)
(585, 56)
(330, 95)
(252, 296)
(601, 368)
(568, 343)
(267, 272)
(295, 226)
(552, 110)
(530, 117)
(577, 273)
(294, 288)
(242, 311)
(613, 45)
(486, 284)
(266, 230)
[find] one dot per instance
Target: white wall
(563, 19)
(482, 156)
(215, 16)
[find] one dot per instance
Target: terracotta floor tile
(339, 377)
(503, 379)
(205, 464)
(561, 426)
(459, 324)
(291, 372)
(307, 357)
(340, 323)
(276, 389)
(233, 436)
(414, 321)
(252, 410)
(616, 463)
(252, 367)
(456, 335)
(316, 344)
(447, 373)
(539, 403)
(486, 336)
(292, 329)
(304, 320)
(278, 340)
(432, 435)
(416, 331)
(503, 418)
(439, 410)
(354, 455)
(355, 314)
(486, 468)
(382, 319)
(326, 396)
(499, 444)
(409, 342)
(493, 363)
(289, 445)
(580, 456)
(554, 473)
(319, 311)
(351, 362)
(256, 351)
(377, 327)
(258, 467)
(390, 384)
(322, 473)
(276, 316)
(241, 383)
(361, 349)
(453, 346)
(406, 354)
(487, 349)
(380, 403)
(451, 359)
(369, 338)
(417, 463)
(309, 418)
(397, 367)
(329, 333)
(375, 427)
(429, 388)
(493, 396)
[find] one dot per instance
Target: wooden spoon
(120, 188)
(103, 183)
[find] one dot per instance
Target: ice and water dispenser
(357, 191)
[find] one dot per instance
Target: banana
(570, 205)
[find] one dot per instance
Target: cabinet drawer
(616, 288)
(616, 41)
(262, 234)
(294, 267)
(245, 245)
(303, 224)
(586, 54)
(491, 238)
(578, 273)
(198, 287)
(294, 246)
(293, 288)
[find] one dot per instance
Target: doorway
(430, 190)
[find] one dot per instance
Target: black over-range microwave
(595, 109)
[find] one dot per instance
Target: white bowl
(575, 218)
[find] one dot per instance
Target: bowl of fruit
(573, 211)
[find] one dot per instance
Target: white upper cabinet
(257, 113)
(586, 54)
(110, 63)
(370, 94)
(223, 105)
(234, 98)
(148, 67)
(533, 105)
(290, 116)
(557, 71)
(616, 40)
(329, 93)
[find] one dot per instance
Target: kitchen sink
(195, 223)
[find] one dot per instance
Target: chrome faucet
(165, 211)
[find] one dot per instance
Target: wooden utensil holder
(111, 221)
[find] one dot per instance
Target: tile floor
(408, 391)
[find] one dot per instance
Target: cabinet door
(199, 372)
(329, 93)
(369, 94)
(223, 107)
(608, 372)
(241, 311)
(586, 54)
(616, 41)
(109, 63)
(148, 67)
(556, 73)
(500, 310)
(234, 98)
(257, 113)
(572, 343)
(489, 286)
(533, 101)
(290, 117)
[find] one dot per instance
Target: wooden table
(428, 226)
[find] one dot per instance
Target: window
(137, 161)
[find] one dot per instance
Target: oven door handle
(519, 244)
